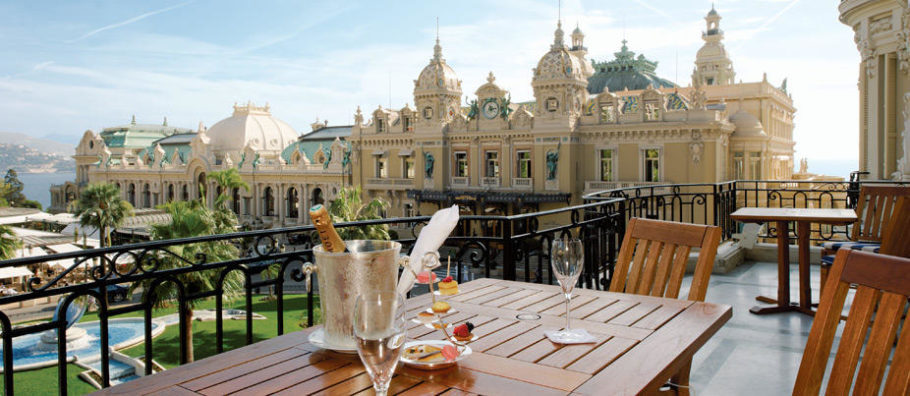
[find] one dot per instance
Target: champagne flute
(567, 260)
(379, 328)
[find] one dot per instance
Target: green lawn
(165, 347)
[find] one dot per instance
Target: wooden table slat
(640, 339)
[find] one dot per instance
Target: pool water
(121, 333)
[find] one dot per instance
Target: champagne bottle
(331, 242)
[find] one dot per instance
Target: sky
(70, 66)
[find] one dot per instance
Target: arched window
(186, 193)
(146, 196)
(131, 194)
(292, 202)
(235, 200)
(268, 202)
(317, 196)
(200, 186)
(170, 192)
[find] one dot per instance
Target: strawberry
(461, 330)
(448, 279)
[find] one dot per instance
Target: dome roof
(626, 71)
(437, 75)
(746, 124)
(558, 63)
(251, 125)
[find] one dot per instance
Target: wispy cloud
(127, 22)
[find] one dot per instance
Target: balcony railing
(460, 181)
(489, 182)
(387, 182)
(511, 247)
(526, 183)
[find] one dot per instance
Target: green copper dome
(626, 71)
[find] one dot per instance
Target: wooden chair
(652, 261)
(874, 210)
(883, 282)
(896, 236)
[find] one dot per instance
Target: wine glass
(567, 260)
(379, 328)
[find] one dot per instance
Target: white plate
(317, 338)
(473, 338)
(465, 352)
(450, 311)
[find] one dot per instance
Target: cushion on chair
(833, 246)
(827, 260)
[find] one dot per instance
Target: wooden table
(804, 218)
(641, 342)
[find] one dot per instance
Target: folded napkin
(430, 239)
(584, 337)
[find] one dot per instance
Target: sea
(37, 186)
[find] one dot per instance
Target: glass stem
(568, 298)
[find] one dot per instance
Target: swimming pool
(122, 333)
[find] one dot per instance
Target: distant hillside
(26, 159)
(42, 145)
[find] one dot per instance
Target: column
(281, 197)
(301, 205)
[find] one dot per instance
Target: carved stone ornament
(903, 164)
(903, 42)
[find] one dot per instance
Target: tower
(560, 78)
(712, 64)
(437, 90)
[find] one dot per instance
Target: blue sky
(70, 66)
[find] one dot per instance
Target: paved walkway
(751, 354)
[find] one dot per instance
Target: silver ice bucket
(366, 265)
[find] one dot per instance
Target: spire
(437, 49)
(133, 120)
(165, 121)
(558, 34)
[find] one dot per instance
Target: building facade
(287, 173)
(882, 35)
(591, 126)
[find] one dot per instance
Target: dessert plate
(465, 352)
(317, 338)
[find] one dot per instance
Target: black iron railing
(509, 247)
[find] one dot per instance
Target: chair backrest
(896, 236)
(874, 209)
(653, 256)
(883, 282)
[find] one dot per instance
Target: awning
(405, 153)
(14, 272)
(379, 153)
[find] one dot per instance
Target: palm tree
(228, 180)
(191, 219)
(9, 242)
(349, 206)
(100, 206)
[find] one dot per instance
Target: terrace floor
(752, 354)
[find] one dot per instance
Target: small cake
(448, 286)
(441, 307)
(425, 317)
(462, 332)
(424, 353)
(426, 277)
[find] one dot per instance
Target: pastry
(448, 286)
(425, 317)
(462, 332)
(441, 307)
(426, 277)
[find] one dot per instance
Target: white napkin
(430, 239)
(586, 338)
